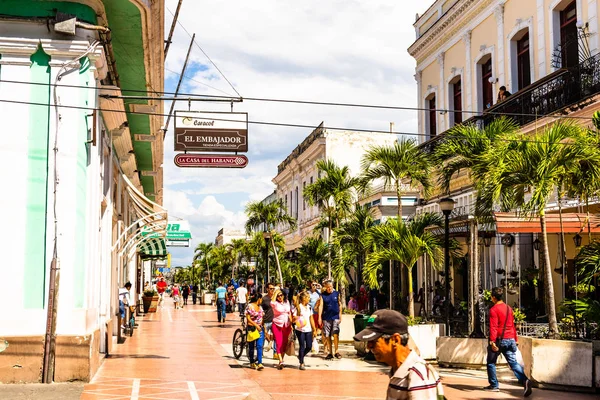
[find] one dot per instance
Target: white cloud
(348, 51)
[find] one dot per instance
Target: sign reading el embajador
(211, 131)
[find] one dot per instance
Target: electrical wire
(206, 55)
(268, 123)
(309, 102)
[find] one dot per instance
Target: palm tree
(224, 259)
(237, 249)
(312, 255)
(268, 216)
(202, 253)
(397, 163)
(405, 243)
(333, 192)
(352, 236)
(541, 164)
(462, 149)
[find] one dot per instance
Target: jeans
(221, 310)
(194, 297)
(122, 310)
(508, 347)
(241, 308)
(305, 340)
(258, 344)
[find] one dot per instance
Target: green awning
(152, 247)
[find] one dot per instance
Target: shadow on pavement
(514, 393)
(40, 391)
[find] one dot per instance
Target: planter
(208, 298)
(347, 328)
(425, 337)
(150, 303)
(463, 352)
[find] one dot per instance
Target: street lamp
(267, 236)
(487, 240)
(577, 240)
(536, 244)
(447, 205)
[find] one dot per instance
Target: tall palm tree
(202, 253)
(312, 256)
(237, 249)
(539, 163)
(462, 149)
(397, 163)
(334, 193)
(224, 259)
(405, 243)
(267, 217)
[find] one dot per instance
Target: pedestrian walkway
(186, 354)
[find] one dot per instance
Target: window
(457, 101)
(303, 199)
(286, 206)
(487, 96)
(523, 62)
(568, 36)
(291, 210)
(296, 204)
(432, 117)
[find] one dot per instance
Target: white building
(345, 148)
(227, 235)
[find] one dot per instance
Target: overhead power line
(265, 123)
(191, 96)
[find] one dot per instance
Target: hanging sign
(211, 161)
(211, 131)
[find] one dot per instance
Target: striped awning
(571, 223)
(152, 247)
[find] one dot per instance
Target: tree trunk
(470, 278)
(563, 246)
(548, 285)
(411, 300)
(399, 194)
(329, 250)
(277, 261)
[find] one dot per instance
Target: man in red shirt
(161, 286)
(503, 339)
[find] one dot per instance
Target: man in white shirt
(241, 298)
(124, 300)
(410, 377)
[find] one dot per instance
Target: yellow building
(544, 52)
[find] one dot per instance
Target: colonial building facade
(83, 174)
(545, 52)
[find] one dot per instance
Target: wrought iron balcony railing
(562, 91)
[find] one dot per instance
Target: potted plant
(500, 271)
(150, 300)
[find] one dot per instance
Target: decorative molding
(418, 76)
(440, 58)
(466, 38)
(499, 12)
(447, 26)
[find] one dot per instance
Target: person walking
(241, 294)
(221, 294)
(330, 309)
(194, 293)
(254, 315)
(305, 326)
(124, 299)
(268, 316)
(410, 377)
(281, 327)
(503, 339)
(161, 287)
(185, 292)
(176, 296)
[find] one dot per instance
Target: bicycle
(239, 343)
(128, 329)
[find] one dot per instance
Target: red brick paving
(184, 354)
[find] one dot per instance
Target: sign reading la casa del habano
(211, 131)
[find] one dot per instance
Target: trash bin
(360, 322)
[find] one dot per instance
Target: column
(541, 42)
(420, 113)
(499, 72)
(593, 25)
(467, 79)
(440, 98)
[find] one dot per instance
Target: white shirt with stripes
(415, 380)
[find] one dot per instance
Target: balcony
(563, 91)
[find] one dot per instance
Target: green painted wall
(37, 182)
(83, 150)
(44, 8)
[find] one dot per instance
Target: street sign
(211, 131)
(211, 161)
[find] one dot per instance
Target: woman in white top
(304, 324)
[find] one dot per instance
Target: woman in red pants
(282, 324)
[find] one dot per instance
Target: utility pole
(178, 86)
(175, 17)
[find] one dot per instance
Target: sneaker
(268, 347)
(253, 365)
(301, 368)
(280, 366)
(260, 367)
(338, 356)
(491, 389)
(329, 357)
(527, 391)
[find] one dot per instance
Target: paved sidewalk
(186, 354)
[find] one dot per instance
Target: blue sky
(338, 51)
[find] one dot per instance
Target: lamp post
(267, 236)
(447, 205)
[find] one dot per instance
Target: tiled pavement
(186, 354)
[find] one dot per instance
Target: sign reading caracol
(211, 131)
(211, 160)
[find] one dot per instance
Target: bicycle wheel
(238, 343)
(131, 326)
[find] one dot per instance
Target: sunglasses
(271, 288)
(279, 295)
